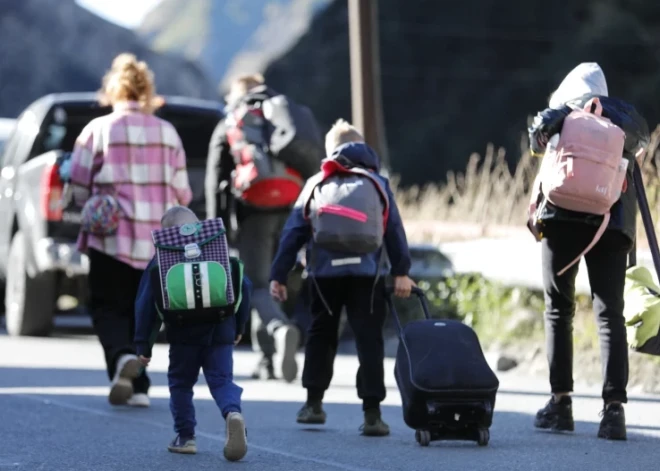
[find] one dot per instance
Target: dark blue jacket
(297, 232)
(148, 322)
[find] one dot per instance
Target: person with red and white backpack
(260, 155)
(583, 204)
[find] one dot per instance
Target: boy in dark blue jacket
(343, 280)
(209, 347)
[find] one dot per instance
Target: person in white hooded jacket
(565, 234)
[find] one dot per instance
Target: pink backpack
(586, 172)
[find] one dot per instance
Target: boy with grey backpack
(347, 216)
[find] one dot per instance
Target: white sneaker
(236, 441)
(121, 388)
(139, 400)
(287, 339)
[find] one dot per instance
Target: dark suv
(39, 262)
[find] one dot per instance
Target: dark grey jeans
(258, 239)
(606, 266)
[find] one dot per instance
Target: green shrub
(484, 305)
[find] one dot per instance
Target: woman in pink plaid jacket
(138, 159)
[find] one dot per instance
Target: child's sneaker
(121, 388)
(287, 340)
(139, 400)
(311, 414)
(613, 424)
(373, 425)
(185, 446)
(556, 416)
(265, 369)
(236, 441)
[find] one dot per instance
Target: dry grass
(489, 194)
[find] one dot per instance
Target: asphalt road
(54, 415)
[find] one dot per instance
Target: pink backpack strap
(590, 103)
(599, 234)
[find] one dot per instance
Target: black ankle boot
(556, 415)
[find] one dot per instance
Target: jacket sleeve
(147, 321)
(85, 162)
(219, 166)
(396, 242)
(295, 234)
(180, 182)
(545, 125)
(243, 313)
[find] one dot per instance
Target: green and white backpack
(195, 279)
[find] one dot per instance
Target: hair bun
(129, 79)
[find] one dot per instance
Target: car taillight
(51, 193)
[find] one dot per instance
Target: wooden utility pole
(365, 75)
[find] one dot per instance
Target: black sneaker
(311, 414)
(373, 425)
(264, 369)
(613, 424)
(556, 416)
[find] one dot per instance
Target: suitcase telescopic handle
(416, 291)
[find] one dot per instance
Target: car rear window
(195, 128)
(63, 124)
(424, 260)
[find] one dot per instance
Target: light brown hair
(342, 132)
(242, 85)
(177, 215)
(129, 80)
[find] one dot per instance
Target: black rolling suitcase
(447, 388)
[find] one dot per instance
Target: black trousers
(606, 265)
(113, 287)
(354, 293)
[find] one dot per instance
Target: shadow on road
(631, 397)
(278, 443)
(15, 377)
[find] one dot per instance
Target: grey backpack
(348, 212)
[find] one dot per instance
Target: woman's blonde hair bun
(129, 80)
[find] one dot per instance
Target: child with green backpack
(202, 296)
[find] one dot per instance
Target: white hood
(587, 77)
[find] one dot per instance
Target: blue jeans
(217, 363)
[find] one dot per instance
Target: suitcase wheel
(484, 437)
(423, 437)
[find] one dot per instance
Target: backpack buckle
(191, 251)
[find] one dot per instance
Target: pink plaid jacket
(139, 159)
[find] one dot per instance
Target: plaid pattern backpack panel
(194, 269)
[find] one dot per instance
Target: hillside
(459, 75)
(228, 36)
(55, 46)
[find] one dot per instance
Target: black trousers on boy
(113, 287)
(606, 265)
(354, 293)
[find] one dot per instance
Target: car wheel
(29, 301)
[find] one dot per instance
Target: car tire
(29, 301)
